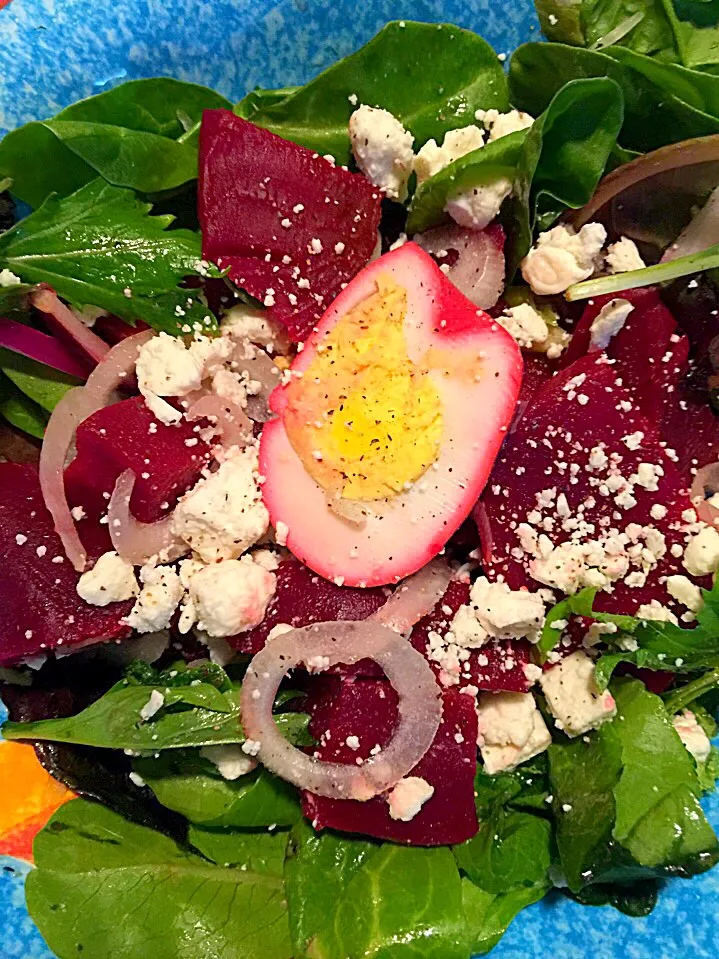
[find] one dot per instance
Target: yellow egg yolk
(366, 422)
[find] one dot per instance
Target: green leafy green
(41, 384)
(636, 900)
(496, 160)
(262, 852)
(580, 604)
(564, 156)
(686, 695)
(141, 134)
(561, 20)
(653, 116)
(384, 900)
(99, 246)
(105, 886)
(259, 99)
(625, 799)
(192, 786)
(20, 411)
(432, 77)
(488, 915)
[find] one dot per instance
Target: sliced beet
(39, 605)
(291, 228)
(553, 439)
(127, 436)
(497, 666)
(367, 709)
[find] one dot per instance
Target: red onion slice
(704, 487)
(260, 368)
(60, 317)
(232, 422)
(420, 706)
(73, 408)
(138, 542)
(484, 528)
(477, 270)
(415, 597)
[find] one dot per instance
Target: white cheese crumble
(153, 705)
(562, 257)
(159, 597)
(692, 735)
(383, 149)
(685, 592)
(524, 324)
(623, 256)
(701, 556)
(223, 515)
(9, 279)
(476, 207)
(242, 323)
(573, 697)
(511, 730)
(457, 143)
(502, 124)
(111, 580)
(408, 797)
(232, 596)
(230, 760)
(505, 613)
(608, 322)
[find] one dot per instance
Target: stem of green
(679, 699)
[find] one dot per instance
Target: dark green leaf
(511, 850)
(497, 159)
(190, 785)
(640, 25)
(686, 695)
(41, 384)
(708, 771)
(432, 77)
(636, 900)
(337, 909)
(257, 100)
(100, 247)
(564, 156)
(488, 915)
(259, 852)
(561, 20)
(20, 411)
(141, 134)
(104, 886)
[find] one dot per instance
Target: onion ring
(420, 707)
(415, 597)
(138, 542)
(61, 317)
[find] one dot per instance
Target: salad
(360, 494)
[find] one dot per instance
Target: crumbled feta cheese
(279, 630)
(153, 705)
(230, 760)
(457, 143)
(685, 592)
(562, 257)
(692, 735)
(111, 580)
(230, 386)
(623, 256)
(525, 324)
(408, 797)
(251, 747)
(506, 613)
(466, 630)
(232, 596)
(242, 323)
(701, 556)
(282, 531)
(223, 515)
(8, 279)
(159, 597)
(609, 321)
(502, 124)
(476, 207)
(573, 697)
(511, 730)
(656, 612)
(383, 149)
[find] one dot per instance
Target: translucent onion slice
(116, 368)
(138, 542)
(477, 269)
(260, 368)
(701, 232)
(232, 421)
(420, 706)
(60, 317)
(704, 487)
(415, 597)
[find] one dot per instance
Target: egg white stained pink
(471, 365)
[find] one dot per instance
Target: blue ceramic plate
(53, 53)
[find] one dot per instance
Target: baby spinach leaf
(432, 77)
(260, 852)
(99, 246)
(259, 99)
(104, 886)
(561, 20)
(486, 165)
(564, 156)
(653, 116)
(637, 900)
(141, 134)
(41, 384)
(488, 915)
(20, 411)
(640, 25)
(419, 913)
(190, 785)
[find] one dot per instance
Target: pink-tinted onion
(484, 528)
(61, 318)
(38, 346)
(420, 706)
(116, 368)
(415, 597)
(701, 232)
(232, 422)
(261, 369)
(476, 261)
(138, 542)
(704, 487)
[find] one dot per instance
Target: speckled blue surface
(52, 52)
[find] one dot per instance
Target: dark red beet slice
(498, 666)
(558, 432)
(263, 200)
(39, 605)
(303, 598)
(367, 709)
(127, 436)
